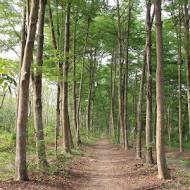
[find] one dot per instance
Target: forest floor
(107, 167)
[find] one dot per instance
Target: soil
(105, 167)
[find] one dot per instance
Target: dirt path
(112, 168)
(101, 167)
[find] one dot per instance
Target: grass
(186, 145)
(89, 154)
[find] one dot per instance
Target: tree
(37, 90)
(161, 159)
(177, 26)
(20, 162)
(120, 94)
(187, 57)
(126, 144)
(64, 88)
(139, 110)
(149, 158)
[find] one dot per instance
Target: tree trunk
(92, 65)
(169, 127)
(81, 83)
(74, 83)
(120, 97)
(65, 114)
(126, 144)
(154, 127)
(149, 158)
(161, 159)
(57, 115)
(112, 85)
(20, 162)
(139, 110)
(37, 90)
(179, 82)
(187, 56)
(59, 65)
(23, 43)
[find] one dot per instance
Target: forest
(94, 94)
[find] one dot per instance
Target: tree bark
(179, 82)
(81, 83)
(126, 144)
(120, 97)
(187, 56)
(154, 126)
(37, 90)
(161, 159)
(20, 162)
(149, 158)
(139, 110)
(23, 43)
(65, 114)
(112, 85)
(91, 78)
(56, 48)
(74, 83)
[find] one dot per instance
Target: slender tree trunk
(139, 110)
(169, 127)
(74, 83)
(92, 65)
(177, 25)
(37, 90)
(65, 114)
(53, 38)
(58, 114)
(149, 158)
(120, 97)
(112, 85)
(56, 48)
(179, 83)
(161, 159)
(20, 162)
(126, 144)
(23, 43)
(81, 83)
(187, 56)
(154, 127)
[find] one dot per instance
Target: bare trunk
(120, 97)
(59, 65)
(169, 127)
(139, 110)
(187, 56)
(179, 82)
(154, 127)
(74, 84)
(37, 90)
(65, 114)
(161, 159)
(20, 162)
(149, 158)
(58, 114)
(92, 65)
(126, 144)
(112, 85)
(23, 43)
(81, 83)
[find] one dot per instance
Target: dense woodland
(71, 70)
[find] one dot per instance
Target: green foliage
(7, 73)
(7, 154)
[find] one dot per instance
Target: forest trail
(113, 168)
(103, 166)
